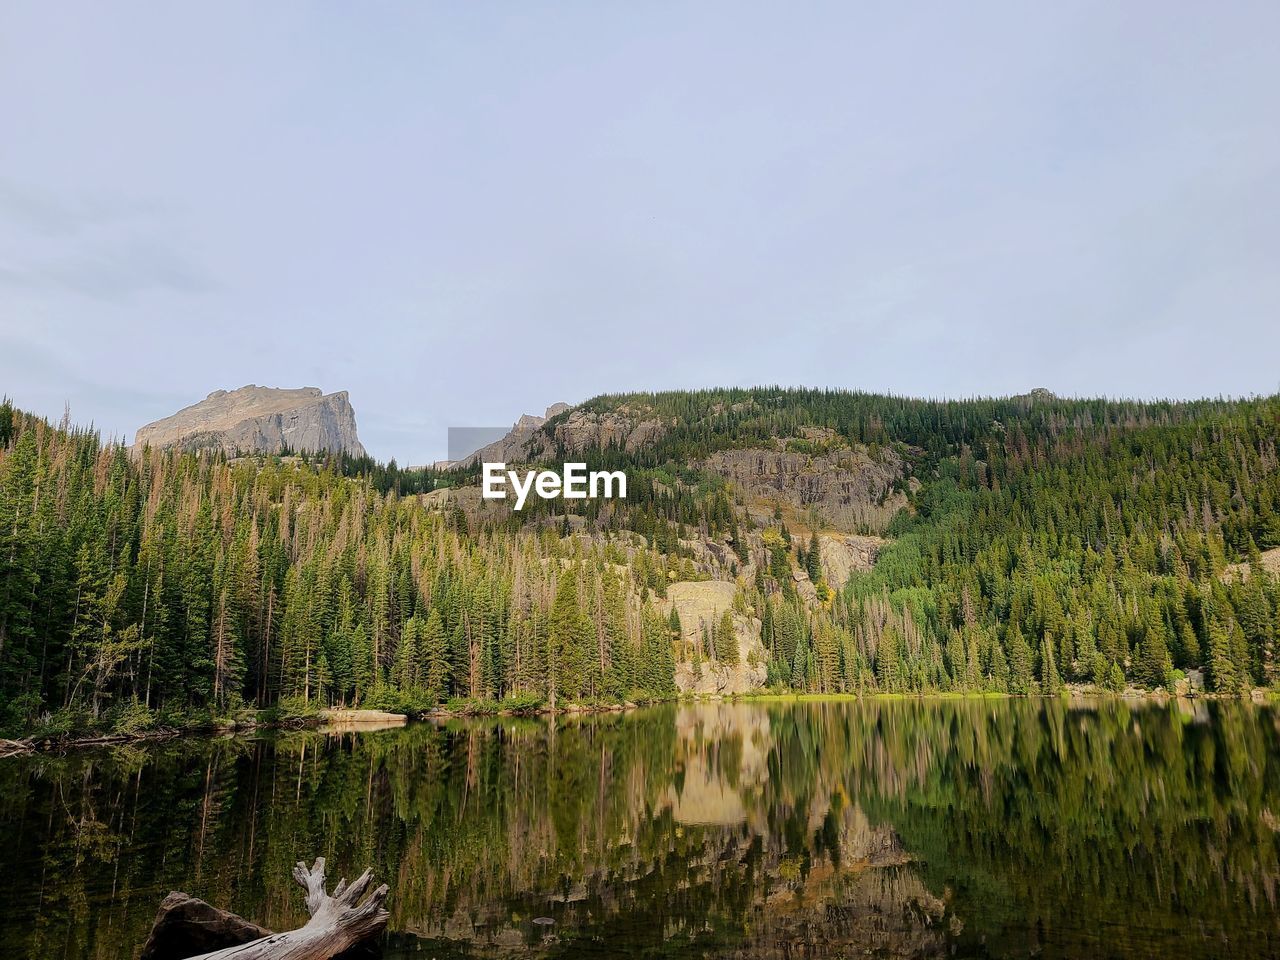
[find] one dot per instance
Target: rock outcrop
(848, 488)
(623, 428)
(257, 419)
(528, 442)
(700, 605)
(1268, 562)
(514, 447)
(845, 554)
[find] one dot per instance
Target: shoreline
(350, 720)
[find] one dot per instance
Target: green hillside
(1034, 541)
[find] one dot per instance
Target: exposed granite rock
(843, 554)
(580, 430)
(701, 604)
(556, 409)
(1269, 561)
(849, 489)
(1036, 395)
(260, 420)
(805, 587)
(514, 447)
(625, 428)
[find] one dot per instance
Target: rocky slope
(513, 448)
(842, 555)
(580, 430)
(1269, 561)
(845, 488)
(700, 605)
(623, 428)
(260, 420)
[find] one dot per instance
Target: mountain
(514, 446)
(257, 419)
(812, 540)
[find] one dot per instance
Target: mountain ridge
(256, 419)
(998, 545)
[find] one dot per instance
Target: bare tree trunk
(337, 923)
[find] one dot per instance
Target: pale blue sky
(461, 212)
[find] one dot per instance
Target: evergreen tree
(1020, 663)
(1050, 680)
(813, 560)
(1155, 663)
(435, 655)
(726, 640)
(568, 632)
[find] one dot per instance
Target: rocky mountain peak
(260, 420)
(514, 446)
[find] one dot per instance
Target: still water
(827, 829)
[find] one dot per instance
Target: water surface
(913, 828)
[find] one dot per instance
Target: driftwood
(186, 926)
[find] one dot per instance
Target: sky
(461, 212)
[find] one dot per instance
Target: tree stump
(186, 926)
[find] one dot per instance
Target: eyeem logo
(573, 484)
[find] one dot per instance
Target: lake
(920, 828)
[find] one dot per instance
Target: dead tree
(337, 923)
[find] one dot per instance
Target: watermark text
(572, 483)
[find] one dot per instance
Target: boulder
(186, 927)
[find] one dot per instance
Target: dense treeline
(699, 422)
(1047, 541)
(1062, 553)
(177, 581)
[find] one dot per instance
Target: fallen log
(338, 923)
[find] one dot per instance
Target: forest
(1045, 542)
(1048, 541)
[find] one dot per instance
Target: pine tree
(568, 633)
(1050, 681)
(726, 640)
(999, 674)
(826, 659)
(406, 675)
(435, 655)
(1155, 663)
(813, 560)
(889, 671)
(956, 663)
(1115, 678)
(1020, 662)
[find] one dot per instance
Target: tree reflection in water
(898, 828)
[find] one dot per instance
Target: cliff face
(580, 430)
(847, 487)
(700, 605)
(514, 447)
(625, 428)
(260, 420)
